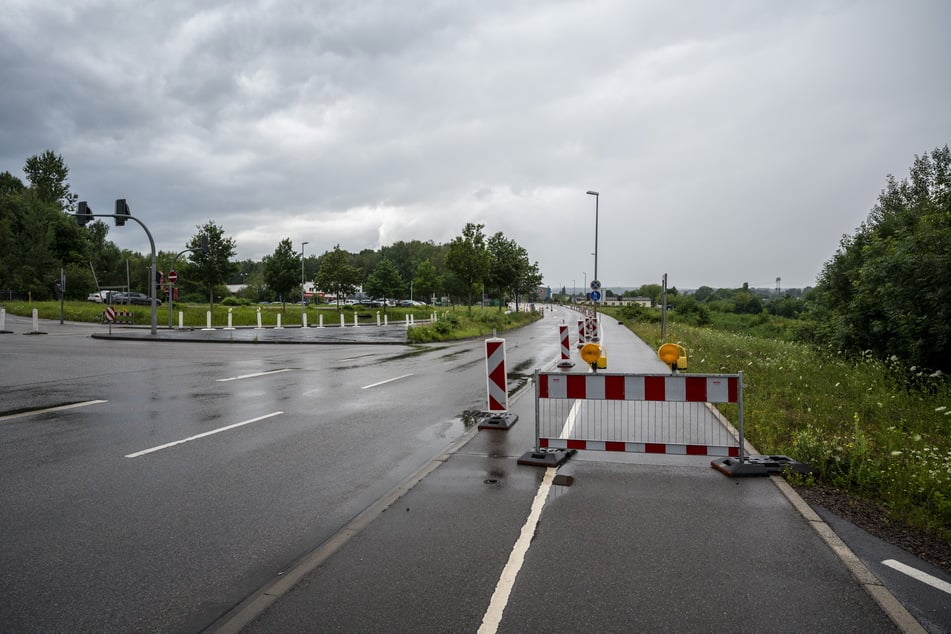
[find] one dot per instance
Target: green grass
(195, 315)
(461, 323)
(855, 421)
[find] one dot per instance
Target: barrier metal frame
(693, 384)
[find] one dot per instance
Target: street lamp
(596, 198)
(302, 245)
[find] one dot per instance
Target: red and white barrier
(496, 382)
(641, 387)
(565, 361)
(640, 447)
(581, 323)
(643, 413)
(496, 379)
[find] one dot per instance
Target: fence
(645, 413)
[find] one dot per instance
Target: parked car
(137, 299)
(98, 297)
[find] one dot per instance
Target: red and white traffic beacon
(497, 394)
(565, 361)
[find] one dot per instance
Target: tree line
(39, 238)
(886, 292)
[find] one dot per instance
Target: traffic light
(122, 210)
(83, 213)
(204, 244)
(159, 277)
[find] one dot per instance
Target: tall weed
(861, 423)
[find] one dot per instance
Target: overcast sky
(731, 141)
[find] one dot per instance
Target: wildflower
(896, 453)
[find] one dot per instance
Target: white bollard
(3, 319)
(386, 320)
(377, 318)
(260, 327)
(355, 322)
(342, 322)
(304, 320)
(320, 320)
(279, 321)
(407, 321)
(412, 320)
(230, 325)
(36, 320)
(208, 320)
(181, 320)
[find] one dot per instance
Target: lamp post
(596, 199)
(302, 245)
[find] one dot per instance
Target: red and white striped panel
(639, 447)
(692, 388)
(496, 377)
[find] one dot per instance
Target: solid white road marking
(923, 577)
(50, 409)
(250, 376)
(503, 589)
(397, 378)
(202, 435)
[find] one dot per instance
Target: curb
(893, 608)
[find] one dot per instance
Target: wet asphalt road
(172, 540)
(167, 541)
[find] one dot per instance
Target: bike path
(635, 543)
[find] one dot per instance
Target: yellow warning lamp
(673, 355)
(590, 353)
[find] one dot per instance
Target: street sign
(172, 277)
(595, 285)
(595, 296)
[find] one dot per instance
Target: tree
(887, 289)
(504, 264)
(529, 278)
(385, 281)
(335, 275)
(212, 266)
(48, 176)
(468, 260)
(426, 282)
(282, 270)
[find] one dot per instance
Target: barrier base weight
(546, 457)
(759, 466)
(497, 420)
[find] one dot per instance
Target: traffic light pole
(83, 217)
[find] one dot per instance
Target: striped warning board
(496, 380)
(640, 447)
(695, 388)
(638, 413)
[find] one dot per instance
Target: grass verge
(195, 315)
(462, 323)
(858, 422)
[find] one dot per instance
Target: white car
(96, 297)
